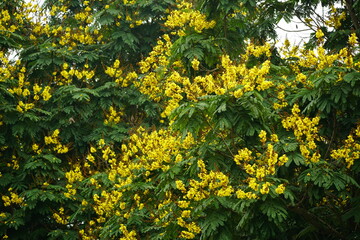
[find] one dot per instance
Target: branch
(301, 30)
(354, 18)
(316, 221)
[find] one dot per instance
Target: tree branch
(316, 221)
(354, 18)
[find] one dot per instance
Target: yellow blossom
(319, 34)
(280, 189)
(353, 39)
(195, 64)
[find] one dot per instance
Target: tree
(177, 120)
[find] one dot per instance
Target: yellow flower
(195, 64)
(185, 214)
(319, 34)
(35, 147)
(274, 138)
(262, 136)
(353, 39)
(280, 189)
(265, 188)
(180, 185)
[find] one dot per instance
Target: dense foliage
(146, 119)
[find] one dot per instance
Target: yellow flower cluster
(12, 199)
(260, 167)
(6, 23)
(319, 58)
(281, 102)
(280, 189)
(83, 36)
(216, 183)
(70, 37)
(54, 139)
(350, 151)
(113, 117)
(288, 51)
(60, 217)
(250, 79)
(185, 15)
(21, 83)
(174, 92)
(143, 154)
(23, 107)
(257, 51)
(129, 2)
(150, 83)
(22, 90)
(87, 234)
(159, 150)
(127, 235)
(195, 64)
(305, 131)
(116, 72)
(36, 149)
(353, 39)
(108, 201)
(319, 34)
(14, 163)
(67, 37)
(335, 18)
(68, 73)
(45, 93)
(192, 229)
(172, 87)
(74, 175)
(71, 191)
(6, 69)
(85, 15)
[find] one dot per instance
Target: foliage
(144, 119)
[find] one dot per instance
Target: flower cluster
(113, 117)
(123, 79)
(185, 15)
(216, 183)
(261, 167)
(68, 73)
(305, 131)
(173, 87)
(6, 25)
(60, 217)
(150, 83)
(12, 199)
(53, 139)
(335, 18)
(191, 229)
(350, 151)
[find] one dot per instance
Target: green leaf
(352, 77)
(212, 222)
(51, 158)
(81, 96)
(274, 211)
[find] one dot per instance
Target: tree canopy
(148, 119)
